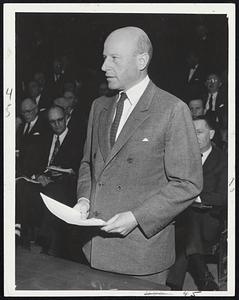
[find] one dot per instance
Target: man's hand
(83, 207)
(121, 223)
(44, 180)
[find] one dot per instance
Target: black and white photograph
(119, 149)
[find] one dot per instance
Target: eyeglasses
(213, 80)
(27, 111)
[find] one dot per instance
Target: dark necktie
(27, 129)
(210, 103)
(115, 124)
(56, 149)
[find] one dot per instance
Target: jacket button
(119, 187)
(130, 160)
(96, 213)
(94, 155)
(101, 184)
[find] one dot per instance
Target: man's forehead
(117, 42)
(196, 102)
(55, 114)
(200, 124)
(27, 104)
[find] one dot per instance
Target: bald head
(127, 53)
(57, 119)
(29, 109)
(136, 37)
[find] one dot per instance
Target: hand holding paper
(68, 214)
(83, 207)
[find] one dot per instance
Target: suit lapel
(138, 116)
(210, 161)
(105, 121)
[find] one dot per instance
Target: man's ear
(142, 61)
(212, 133)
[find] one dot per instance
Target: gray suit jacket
(154, 170)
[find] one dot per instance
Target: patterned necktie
(56, 149)
(27, 129)
(210, 103)
(115, 124)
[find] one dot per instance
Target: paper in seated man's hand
(83, 207)
(121, 223)
(44, 180)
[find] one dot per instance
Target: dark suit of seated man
(198, 228)
(30, 131)
(62, 149)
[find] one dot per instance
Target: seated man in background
(215, 99)
(196, 107)
(28, 133)
(198, 228)
(60, 148)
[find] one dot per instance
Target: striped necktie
(210, 103)
(115, 124)
(56, 149)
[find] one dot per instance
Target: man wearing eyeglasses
(215, 100)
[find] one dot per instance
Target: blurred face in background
(39, 77)
(213, 83)
(57, 66)
(196, 107)
(70, 98)
(34, 89)
(29, 110)
(57, 120)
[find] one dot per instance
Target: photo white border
(9, 130)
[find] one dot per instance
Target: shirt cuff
(83, 198)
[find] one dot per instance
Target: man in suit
(30, 131)
(198, 228)
(141, 165)
(62, 149)
(215, 99)
(191, 76)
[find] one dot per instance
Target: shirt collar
(206, 153)
(136, 91)
(62, 135)
(213, 94)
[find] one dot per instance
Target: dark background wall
(42, 36)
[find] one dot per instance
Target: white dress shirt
(214, 98)
(133, 96)
(61, 139)
(191, 72)
(204, 157)
(32, 123)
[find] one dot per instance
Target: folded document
(68, 214)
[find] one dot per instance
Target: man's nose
(105, 65)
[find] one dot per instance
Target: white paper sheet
(69, 214)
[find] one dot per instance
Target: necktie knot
(122, 98)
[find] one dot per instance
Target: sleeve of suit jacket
(84, 176)
(183, 169)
